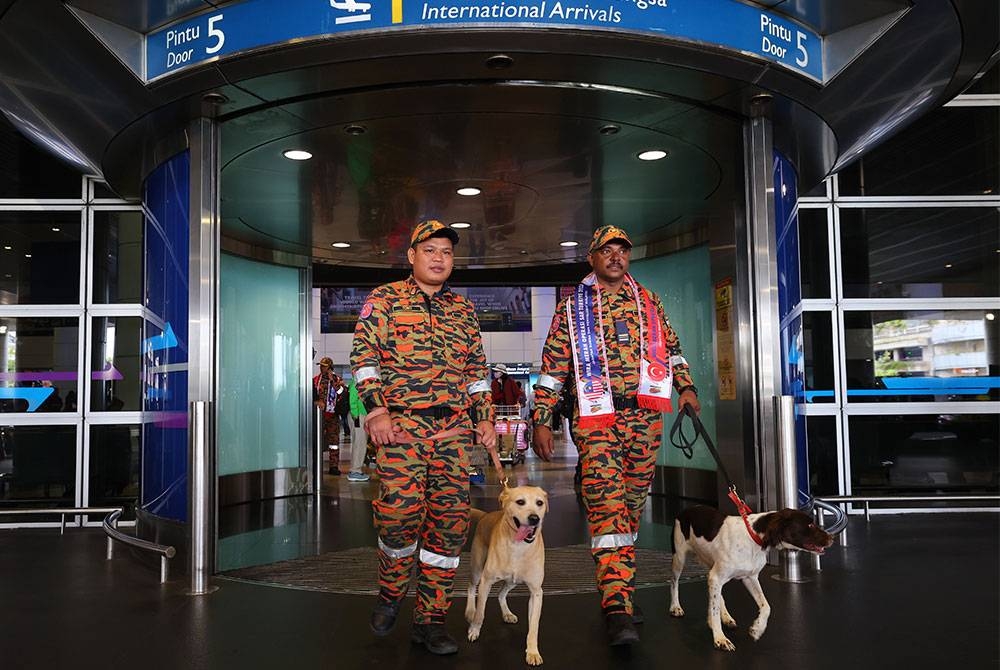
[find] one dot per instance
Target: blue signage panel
(258, 23)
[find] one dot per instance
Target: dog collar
(744, 511)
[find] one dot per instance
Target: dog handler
(612, 344)
(421, 372)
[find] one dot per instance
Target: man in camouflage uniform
(617, 447)
(421, 372)
(327, 386)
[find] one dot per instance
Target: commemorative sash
(590, 363)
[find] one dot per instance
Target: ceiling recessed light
(989, 315)
(27, 255)
(341, 245)
(6, 247)
(355, 129)
(296, 155)
(652, 155)
(610, 129)
(468, 190)
(568, 244)
(55, 230)
(524, 251)
(947, 265)
(499, 62)
(461, 224)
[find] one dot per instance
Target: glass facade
(899, 338)
(70, 337)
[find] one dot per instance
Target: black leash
(686, 445)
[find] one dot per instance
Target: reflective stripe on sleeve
(361, 374)
(545, 381)
(478, 387)
(611, 541)
(396, 554)
(677, 360)
(437, 560)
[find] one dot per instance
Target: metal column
(765, 326)
(788, 480)
(203, 139)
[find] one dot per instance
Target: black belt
(436, 412)
(621, 402)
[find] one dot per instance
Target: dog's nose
(533, 519)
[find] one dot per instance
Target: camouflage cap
(432, 228)
(606, 234)
(327, 361)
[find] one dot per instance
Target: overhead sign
(253, 24)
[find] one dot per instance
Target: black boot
(637, 616)
(384, 616)
(620, 629)
(434, 638)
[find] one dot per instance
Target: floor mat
(567, 570)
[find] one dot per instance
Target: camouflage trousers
(423, 500)
(617, 469)
(331, 429)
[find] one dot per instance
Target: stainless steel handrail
(165, 551)
(870, 499)
(62, 512)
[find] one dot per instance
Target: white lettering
(179, 58)
(177, 37)
(767, 46)
(775, 30)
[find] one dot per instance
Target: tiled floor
(912, 591)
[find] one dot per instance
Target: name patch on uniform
(621, 331)
(366, 310)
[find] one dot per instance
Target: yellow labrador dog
(508, 546)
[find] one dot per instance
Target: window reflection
(115, 364)
(38, 364)
(907, 356)
(39, 258)
(37, 467)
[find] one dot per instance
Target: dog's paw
(533, 658)
(728, 621)
(757, 630)
(677, 611)
(509, 617)
(474, 632)
(724, 644)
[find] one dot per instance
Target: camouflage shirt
(623, 358)
(418, 351)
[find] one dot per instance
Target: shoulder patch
(366, 310)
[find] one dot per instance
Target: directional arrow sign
(34, 395)
(165, 341)
(110, 373)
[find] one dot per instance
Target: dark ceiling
(552, 161)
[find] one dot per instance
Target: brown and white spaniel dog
(726, 546)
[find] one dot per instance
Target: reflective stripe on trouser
(617, 467)
(423, 496)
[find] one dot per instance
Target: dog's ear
(504, 496)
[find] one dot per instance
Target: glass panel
(814, 249)
(817, 191)
(921, 356)
(114, 467)
(817, 336)
(920, 252)
(951, 151)
(37, 469)
(26, 171)
(118, 257)
(924, 454)
(103, 192)
(40, 258)
(38, 364)
(821, 432)
(259, 366)
(115, 364)
(988, 83)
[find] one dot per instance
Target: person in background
(612, 345)
(359, 437)
(325, 388)
(503, 388)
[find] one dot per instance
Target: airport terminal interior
(198, 196)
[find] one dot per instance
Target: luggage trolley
(512, 434)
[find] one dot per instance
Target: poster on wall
(499, 308)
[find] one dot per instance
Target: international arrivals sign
(253, 24)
